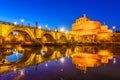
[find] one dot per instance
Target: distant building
(85, 26)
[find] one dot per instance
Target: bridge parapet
(34, 32)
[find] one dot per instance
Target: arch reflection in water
(96, 61)
(20, 57)
(47, 51)
(14, 56)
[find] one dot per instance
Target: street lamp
(15, 23)
(46, 26)
(39, 27)
(62, 29)
(114, 27)
(22, 20)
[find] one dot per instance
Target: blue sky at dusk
(61, 13)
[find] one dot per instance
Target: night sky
(61, 13)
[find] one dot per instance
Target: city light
(22, 72)
(62, 60)
(46, 65)
(22, 20)
(113, 27)
(114, 60)
(62, 29)
(39, 27)
(46, 26)
(66, 32)
(15, 23)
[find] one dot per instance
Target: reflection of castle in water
(83, 57)
(84, 61)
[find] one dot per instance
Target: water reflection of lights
(14, 69)
(22, 72)
(61, 70)
(114, 60)
(62, 60)
(46, 65)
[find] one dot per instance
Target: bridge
(34, 34)
(11, 33)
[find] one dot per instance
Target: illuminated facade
(83, 30)
(85, 26)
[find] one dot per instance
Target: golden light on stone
(104, 36)
(84, 30)
(7, 39)
(44, 39)
(84, 26)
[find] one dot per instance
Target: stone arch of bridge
(46, 38)
(26, 30)
(63, 38)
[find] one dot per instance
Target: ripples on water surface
(60, 63)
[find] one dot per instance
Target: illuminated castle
(85, 26)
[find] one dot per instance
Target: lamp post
(114, 28)
(62, 30)
(15, 23)
(46, 26)
(22, 20)
(39, 27)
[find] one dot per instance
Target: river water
(60, 63)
